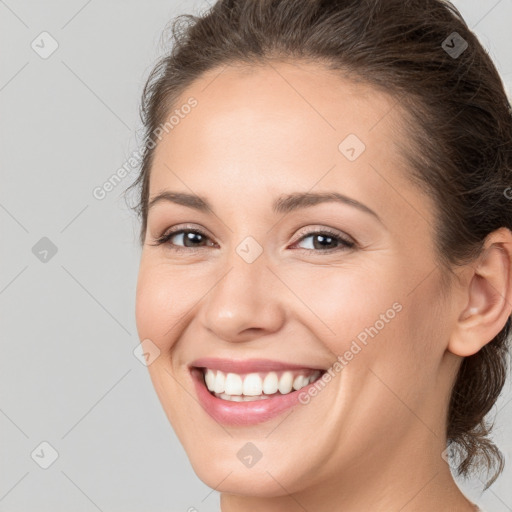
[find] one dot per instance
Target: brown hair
(460, 120)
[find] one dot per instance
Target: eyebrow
(283, 204)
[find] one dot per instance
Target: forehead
(264, 129)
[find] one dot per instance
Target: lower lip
(243, 413)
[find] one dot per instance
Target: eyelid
(345, 242)
(187, 227)
(309, 231)
(178, 229)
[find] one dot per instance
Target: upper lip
(248, 365)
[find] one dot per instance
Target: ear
(488, 296)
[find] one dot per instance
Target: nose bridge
(242, 297)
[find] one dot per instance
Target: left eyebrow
(288, 203)
(283, 204)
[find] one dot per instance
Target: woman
(326, 271)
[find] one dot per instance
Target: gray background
(68, 375)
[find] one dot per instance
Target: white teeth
(209, 378)
(238, 398)
(218, 387)
(285, 383)
(270, 383)
(298, 382)
(233, 384)
(255, 386)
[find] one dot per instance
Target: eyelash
(344, 243)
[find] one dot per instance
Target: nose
(244, 303)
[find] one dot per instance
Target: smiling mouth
(248, 387)
(245, 392)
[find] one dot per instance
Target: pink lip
(248, 365)
(243, 413)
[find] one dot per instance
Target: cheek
(349, 303)
(373, 317)
(168, 297)
(404, 355)
(159, 305)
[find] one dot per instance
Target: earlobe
(488, 301)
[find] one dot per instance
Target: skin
(373, 438)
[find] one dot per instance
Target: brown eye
(323, 241)
(188, 238)
(183, 239)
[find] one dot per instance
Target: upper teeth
(254, 384)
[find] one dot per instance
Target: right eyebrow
(184, 199)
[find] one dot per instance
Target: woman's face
(264, 281)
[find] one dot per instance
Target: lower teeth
(242, 398)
